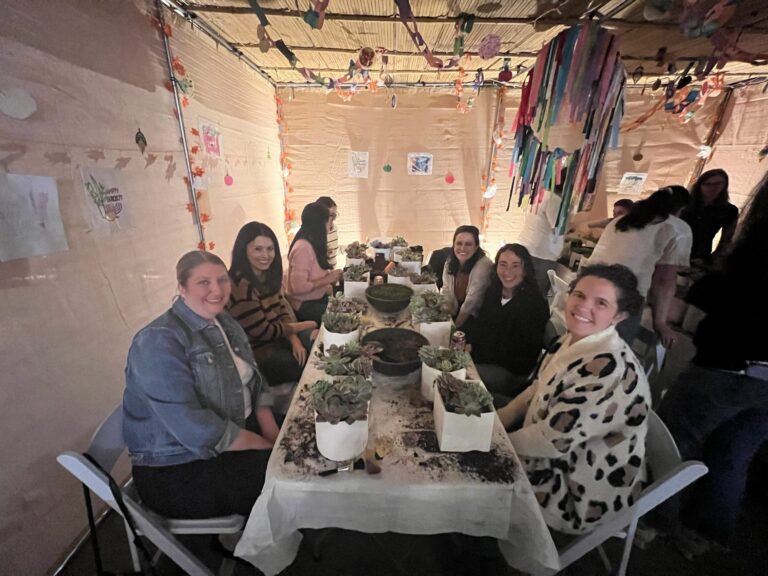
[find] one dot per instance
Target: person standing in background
(540, 237)
(333, 232)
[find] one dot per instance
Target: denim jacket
(183, 397)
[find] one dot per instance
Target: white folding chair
(671, 476)
(107, 445)
(557, 304)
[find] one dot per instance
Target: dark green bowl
(389, 298)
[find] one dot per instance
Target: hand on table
(298, 350)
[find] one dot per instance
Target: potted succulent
(340, 303)
(399, 275)
(340, 329)
(356, 280)
(436, 361)
(351, 359)
(399, 244)
(380, 247)
(464, 415)
(355, 253)
(412, 260)
(430, 313)
(423, 281)
(341, 416)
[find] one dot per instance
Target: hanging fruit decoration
(489, 46)
(366, 56)
(506, 74)
(449, 178)
(387, 168)
(141, 140)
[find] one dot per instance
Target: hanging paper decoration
(393, 101)
(479, 79)
(489, 46)
(699, 19)
(449, 178)
(141, 140)
(571, 106)
(763, 153)
(506, 74)
(637, 74)
(387, 168)
(405, 13)
(365, 57)
(463, 26)
(228, 180)
(315, 16)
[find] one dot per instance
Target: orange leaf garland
(195, 132)
(198, 171)
(204, 217)
(211, 245)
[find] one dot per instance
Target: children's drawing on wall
(419, 164)
(210, 134)
(632, 183)
(105, 198)
(30, 222)
(357, 166)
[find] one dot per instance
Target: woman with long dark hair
(708, 213)
(717, 410)
(310, 275)
(258, 304)
(655, 244)
(508, 334)
(466, 275)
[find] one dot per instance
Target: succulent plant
(356, 250)
(429, 306)
(399, 271)
(398, 241)
(342, 399)
(463, 396)
(356, 273)
(444, 359)
(423, 278)
(341, 303)
(410, 256)
(379, 244)
(341, 323)
(349, 359)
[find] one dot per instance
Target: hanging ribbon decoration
(315, 16)
(571, 106)
(405, 13)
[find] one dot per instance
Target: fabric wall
(96, 71)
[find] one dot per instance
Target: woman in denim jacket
(199, 429)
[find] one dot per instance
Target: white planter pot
(419, 288)
(438, 333)
(398, 280)
(385, 251)
(355, 261)
(331, 338)
(460, 433)
(428, 377)
(342, 441)
(355, 289)
(414, 267)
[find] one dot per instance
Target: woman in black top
(717, 410)
(708, 213)
(508, 334)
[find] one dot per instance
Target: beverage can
(458, 340)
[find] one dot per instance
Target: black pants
(227, 484)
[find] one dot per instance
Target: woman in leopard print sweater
(584, 418)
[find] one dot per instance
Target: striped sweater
(263, 318)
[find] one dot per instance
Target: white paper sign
(419, 164)
(105, 198)
(30, 221)
(357, 166)
(632, 183)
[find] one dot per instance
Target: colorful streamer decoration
(571, 106)
(405, 13)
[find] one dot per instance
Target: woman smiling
(584, 419)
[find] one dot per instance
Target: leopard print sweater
(582, 443)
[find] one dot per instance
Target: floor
(345, 553)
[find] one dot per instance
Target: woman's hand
(335, 276)
(297, 348)
(296, 327)
(247, 440)
(313, 335)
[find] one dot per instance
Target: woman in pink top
(310, 275)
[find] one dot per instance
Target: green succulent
(341, 323)
(341, 303)
(356, 250)
(349, 359)
(423, 278)
(378, 244)
(356, 273)
(463, 396)
(410, 256)
(444, 359)
(399, 271)
(398, 241)
(429, 306)
(342, 399)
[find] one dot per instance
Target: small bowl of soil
(401, 350)
(389, 298)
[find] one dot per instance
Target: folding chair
(672, 475)
(107, 445)
(557, 304)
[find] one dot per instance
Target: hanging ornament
(489, 46)
(637, 156)
(763, 153)
(366, 56)
(637, 74)
(388, 80)
(393, 101)
(228, 180)
(661, 55)
(449, 179)
(479, 79)
(490, 192)
(506, 74)
(141, 140)
(387, 168)
(656, 84)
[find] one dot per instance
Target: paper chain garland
(578, 79)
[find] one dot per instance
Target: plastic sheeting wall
(97, 71)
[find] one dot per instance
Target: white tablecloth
(420, 490)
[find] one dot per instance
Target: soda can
(458, 341)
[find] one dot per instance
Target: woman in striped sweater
(279, 342)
